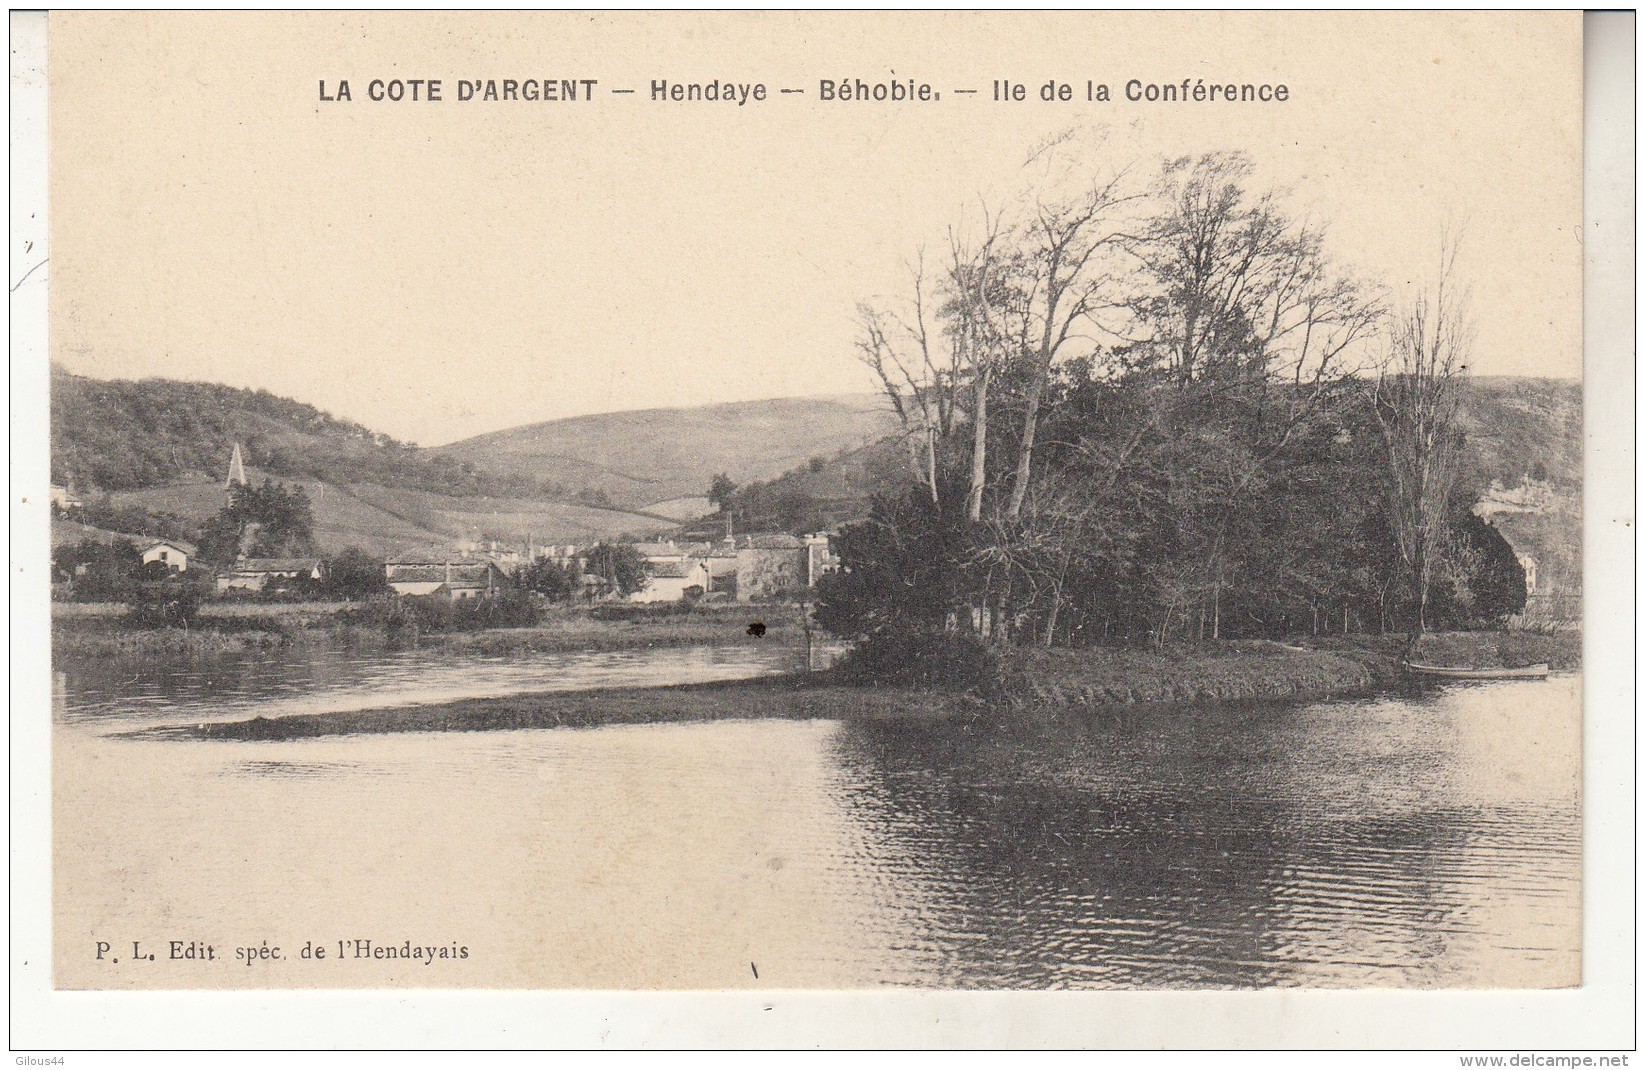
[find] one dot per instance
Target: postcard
(852, 502)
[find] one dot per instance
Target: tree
(169, 602)
(1483, 581)
(98, 571)
(721, 490)
(906, 567)
(551, 579)
(619, 566)
(1141, 419)
(260, 521)
(1416, 404)
(1072, 249)
(920, 376)
(355, 574)
(1243, 313)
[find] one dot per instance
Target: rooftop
(277, 564)
(673, 570)
(180, 544)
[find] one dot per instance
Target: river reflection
(276, 684)
(1388, 842)
(1427, 840)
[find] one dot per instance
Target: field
(658, 455)
(388, 522)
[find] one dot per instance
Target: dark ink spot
(757, 629)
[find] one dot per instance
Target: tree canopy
(1145, 409)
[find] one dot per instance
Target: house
(819, 558)
(656, 553)
(769, 566)
(263, 573)
(173, 553)
(672, 580)
(775, 565)
(456, 580)
(721, 560)
(559, 554)
(1528, 564)
(506, 556)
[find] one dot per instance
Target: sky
(439, 270)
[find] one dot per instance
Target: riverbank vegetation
(81, 632)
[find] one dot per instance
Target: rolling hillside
(392, 521)
(656, 456)
(125, 434)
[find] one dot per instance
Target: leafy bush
(164, 604)
(515, 609)
(435, 613)
(354, 574)
(921, 658)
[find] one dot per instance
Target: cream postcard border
(1599, 1015)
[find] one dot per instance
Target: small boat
(1458, 672)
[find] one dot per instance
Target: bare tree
(916, 374)
(935, 372)
(1245, 313)
(1073, 256)
(1238, 286)
(1416, 401)
(983, 322)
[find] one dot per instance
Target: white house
(658, 553)
(670, 580)
(171, 553)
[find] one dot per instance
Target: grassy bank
(706, 626)
(793, 697)
(1489, 650)
(1224, 672)
(78, 636)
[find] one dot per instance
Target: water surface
(1430, 839)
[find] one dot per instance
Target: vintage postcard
(704, 501)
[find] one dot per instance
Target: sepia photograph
(676, 502)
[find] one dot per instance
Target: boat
(1459, 672)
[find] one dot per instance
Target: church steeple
(236, 471)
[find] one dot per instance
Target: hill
(125, 434)
(657, 456)
(147, 455)
(390, 521)
(150, 455)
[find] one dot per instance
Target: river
(1425, 839)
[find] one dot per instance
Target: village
(753, 567)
